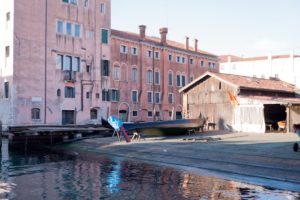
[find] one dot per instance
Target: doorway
(68, 117)
(275, 117)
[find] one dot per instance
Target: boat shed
(242, 104)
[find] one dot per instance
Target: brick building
(50, 61)
(147, 72)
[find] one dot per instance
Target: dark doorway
(273, 114)
(123, 114)
(68, 117)
(178, 115)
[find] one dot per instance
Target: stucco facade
(149, 71)
(283, 67)
(51, 61)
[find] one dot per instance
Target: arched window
(134, 74)
(157, 77)
(35, 113)
(149, 76)
(116, 72)
(94, 113)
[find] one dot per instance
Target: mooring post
(26, 143)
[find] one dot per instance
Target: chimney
(196, 45)
(142, 31)
(163, 35)
(187, 43)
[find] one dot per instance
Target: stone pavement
(263, 159)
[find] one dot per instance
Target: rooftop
(224, 58)
(157, 41)
(245, 82)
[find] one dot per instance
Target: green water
(42, 175)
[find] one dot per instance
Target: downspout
(153, 78)
(45, 67)
(163, 82)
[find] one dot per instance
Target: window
(59, 61)
(191, 61)
(123, 49)
(88, 68)
(178, 80)
(35, 113)
(58, 92)
(191, 78)
(105, 95)
(170, 57)
(75, 64)
(170, 98)
(149, 97)
(170, 78)
(7, 19)
(202, 63)
(67, 63)
(209, 65)
(102, 8)
(149, 54)
(74, 2)
(69, 92)
(68, 28)
(134, 113)
(156, 55)
(220, 85)
(89, 34)
(7, 51)
(97, 95)
(104, 36)
(149, 76)
(117, 72)
(86, 3)
(157, 114)
(134, 51)
(178, 59)
(183, 80)
(94, 113)
(115, 95)
(134, 74)
(150, 114)
(6, 90)
(182, 59)
(157, 97)
(68, 116)
(105, 67)
(87, 95)
(77, 30)
(134, 96)
(157, 78)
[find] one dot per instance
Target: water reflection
(48, 176)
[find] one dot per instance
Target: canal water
(43, 175)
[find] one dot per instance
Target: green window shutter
(118, 95)
(104, 36)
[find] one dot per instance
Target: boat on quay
(162, 128)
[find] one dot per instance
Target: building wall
(285, 68)
(36, 75)
(6, 61)
(162, 64)
(211, 99)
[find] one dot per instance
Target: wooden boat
(164, 128)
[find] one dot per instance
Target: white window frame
(159, 97)
(149, 76)
(137, 113)
(102, 8)
(157, 55)
(77, 25)
(148, 113)
(157, 82)
(134, 74)
(178, 59)
(116, 72)
(123, 49)
(149, 54)
(137, 96)
(150, 92)
(63, 27)
(132, 51)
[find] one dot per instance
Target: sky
(238, 27)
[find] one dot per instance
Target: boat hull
(165, 128)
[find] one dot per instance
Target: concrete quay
(260, 159)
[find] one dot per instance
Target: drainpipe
(45, 67)
(153, 78)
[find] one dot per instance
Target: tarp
(115, 122)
